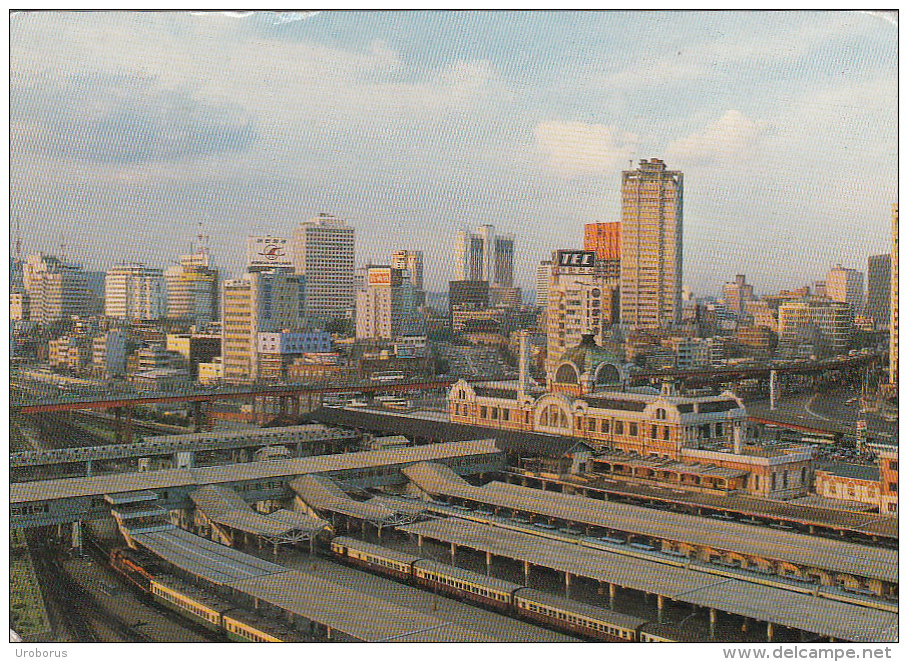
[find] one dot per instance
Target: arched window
(607, 374)
(566, 374)
(553, 416)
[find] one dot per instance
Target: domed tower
(583, 368)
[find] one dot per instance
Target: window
(619, 427)
(893, 465)
(665, 433)
(605, 427)
(893, 487)
(632, 429)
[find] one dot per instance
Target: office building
(192, 289)
(484, 256)
(384, 307)
(878, 284)
(323, 252)
(412, 262)
(814, 326)
(134, 292)
(735, 295)
(108, 356)
(55, 290)
(846, 286)
(258, 302)
(18, 305)
(581, 301)
(195, 348)
(543, 274)
(604, 239)
(651, 245)
(894, 300)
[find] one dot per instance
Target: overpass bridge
(181, 450)
(72, 500)
(286, 392)
(753, 370)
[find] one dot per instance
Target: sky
(131, 133)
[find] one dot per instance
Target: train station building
(649, 435)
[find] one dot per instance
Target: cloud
(574, 148)
(118, 119)
(732, 137)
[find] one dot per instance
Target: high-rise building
(192, 289)
(604, 239)
(581, 301)
(56, 290)
(894, 300)
(134, 292)
(879, 281)
(736, 294)
(814, 326)
(323, 252)
(651, 245)
(846, 286)
(484, 255)
(413, 263)
(543, 274)
(259, 302)
(384, 307)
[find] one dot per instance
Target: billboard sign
(575, 258)
(268, 252)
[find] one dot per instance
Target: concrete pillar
(419, 540)
(611, 596)
(118, 424)
(567, 585)
(88, 468)
(772, 390)
(77, 536)
(295, 405)
(488, 564)
(745, 625)
(127, 434)
(526, 573)
(659, 605)
(712, 623)
(768, 631)
(453, 554)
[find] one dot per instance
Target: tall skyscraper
(604, 239)
(384, 307)
(134, 292)
(651, 245)
(846, 286)
(55, 290)
(412, 262)
(894, 301)
(878, 285)
(323, 252)
(484, 255)
(192, 289)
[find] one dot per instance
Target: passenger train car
(195, 604)
(560, 613)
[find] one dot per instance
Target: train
(559, 613)
(195, 604)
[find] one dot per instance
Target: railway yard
(477, 558)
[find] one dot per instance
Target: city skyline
(409, 129)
